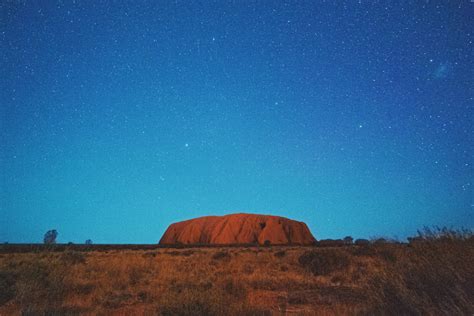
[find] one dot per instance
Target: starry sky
(120, 117)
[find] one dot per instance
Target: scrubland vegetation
(433, 274)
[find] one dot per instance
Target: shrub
(193, 301)
(7, 287)
(390, 299)
(149, 254)
(414, 240)
(297, 298)
(379, 241)
(40, 281)
(348, 240)
(284, 268)
(437, 233)
(280, 254)
(331, 243)
(143, 296)
(185, 308)
(116, 299)
(362, 242)
(366, 250)
(337, 279)
(387, 254)
(185, 253)
(73, 257)
(221, 255)
(53, 311)
(83, 289)
(135, 275)
(324, 263)
(235, 289)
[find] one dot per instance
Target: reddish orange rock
(238, 229)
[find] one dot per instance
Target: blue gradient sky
(120, 117)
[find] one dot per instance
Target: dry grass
(432, 277)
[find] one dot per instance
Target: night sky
(120, 117)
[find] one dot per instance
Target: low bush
(193, 301)
(389, 298)
(116, 299)
(365, 250)
(149, 254)
(280, 254)
(39, 281)
(143, 296)
(220, 255)
(445, 232)
(54, 311)
(135, 275)
(7, 287)
(235, 289)
(324, 263)
(184, 253)
(73, 257)
(284, 268)
(361, 242)
(188, 307)
(83, 289)
(387, 254)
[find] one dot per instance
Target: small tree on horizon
(348, 240)
(50, 237)
(88, 242)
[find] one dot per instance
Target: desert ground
(381, 278)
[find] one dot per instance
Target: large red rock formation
(238, 229)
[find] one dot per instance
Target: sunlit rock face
(239, 229)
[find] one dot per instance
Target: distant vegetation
(444, 233)
(50, 237)
(433, 274)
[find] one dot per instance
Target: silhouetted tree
(362, 242)
(50, 237)
(348, 240)
(88, 242)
